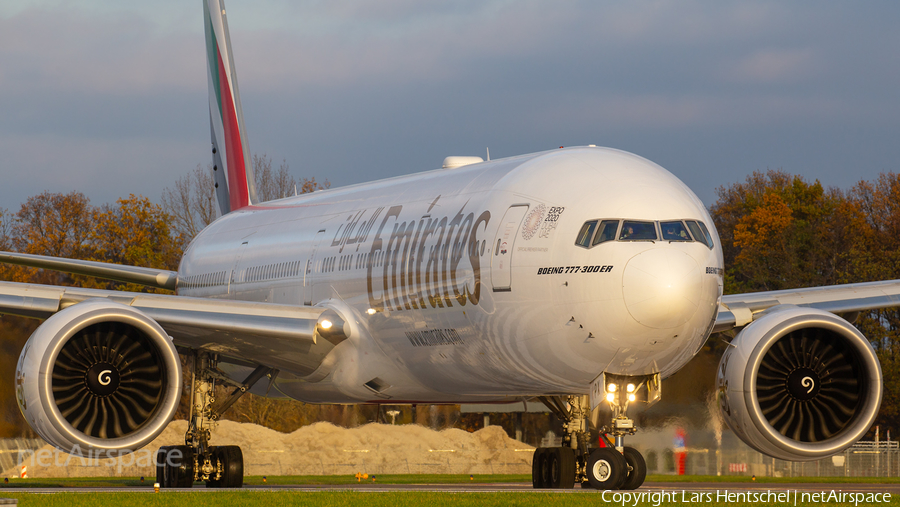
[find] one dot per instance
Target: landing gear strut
(610, 466)
(179, 466)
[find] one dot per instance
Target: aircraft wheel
(606, 468)
(637, 469)
(537, 462)
(161, 454)
(562, 468)
(232, 460)
(175, 466)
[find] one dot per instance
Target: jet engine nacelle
(98, 378)
(799, 384)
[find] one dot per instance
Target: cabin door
(311, 269)
(233, 278)
(501, 259)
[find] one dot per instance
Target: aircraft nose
(662, 287)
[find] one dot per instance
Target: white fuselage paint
(466, 284)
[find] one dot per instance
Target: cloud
(104, 169)
(775, 66)
(121, 54)
(121, 87)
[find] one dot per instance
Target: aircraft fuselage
(469, 283)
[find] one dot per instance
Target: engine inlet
(809, 385)
(108, 380)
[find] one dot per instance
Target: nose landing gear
(610, 466)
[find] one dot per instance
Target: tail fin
(231, 156)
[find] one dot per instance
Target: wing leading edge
(290, 338)
(159, 278)
(737, 310)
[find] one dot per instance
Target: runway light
(371, 311)
(630, 388)
(632, 397)
(326, 324)
(610, 397)
(611, 388)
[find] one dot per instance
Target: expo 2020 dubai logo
(533, 221)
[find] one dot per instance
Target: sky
(109, 98)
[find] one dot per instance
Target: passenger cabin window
(606, 232)
(674, 231)
(584, 236)
(638, 231)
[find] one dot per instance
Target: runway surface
(522, 487)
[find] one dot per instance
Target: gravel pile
(317, 449)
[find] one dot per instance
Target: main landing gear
(610, 466)
(179, 466)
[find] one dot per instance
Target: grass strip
(353, 499)
(337, 480)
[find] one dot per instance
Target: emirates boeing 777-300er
(481, 281)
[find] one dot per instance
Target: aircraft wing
(159, 278)
(738, 310)
(291, 338)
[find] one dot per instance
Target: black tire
(553, 471)
(606, 468)
(637, 469)
(232, 460)
(566, 471)
(161, 465)
(536, 462)
(179, 467)
(544, 470)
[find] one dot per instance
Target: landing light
(326, 324)
(610, 397)
(632, 397)
(371, 311)
(630, 388)
(611, 388)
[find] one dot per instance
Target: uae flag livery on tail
(231, 157)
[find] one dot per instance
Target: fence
(14, 450)
(865, 459)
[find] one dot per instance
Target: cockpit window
(595, 232)
(674, 231)
(584, 236)
(700, 232)
(638, 231)
(709, 241)
(606, 232)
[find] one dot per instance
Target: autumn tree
(779, 231)
(279, 183)
(191, 203)
(49, 224)
(875, 255)
(134, 232)
(6, 221)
